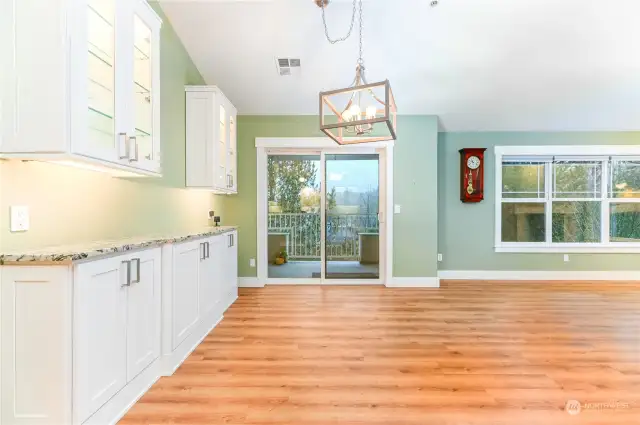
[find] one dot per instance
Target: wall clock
(472, 174)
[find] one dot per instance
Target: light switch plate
(19, 218)
(252, 262)
(396, 209)
(439, 257)
(566, 258)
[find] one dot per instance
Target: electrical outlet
(439, 257)
(566, 258)
(252, 262)
(19, 219)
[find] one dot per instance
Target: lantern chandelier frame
(353, 124)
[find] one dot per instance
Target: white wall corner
(250, 282)
(618, 275)
(414, 282)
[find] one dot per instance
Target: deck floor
(468, 353)
(311, 270)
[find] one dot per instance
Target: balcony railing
(303, 234)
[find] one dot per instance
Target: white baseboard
(113, 410)
(171, 362)
(414, 282)
(538, 275)
(250, 282)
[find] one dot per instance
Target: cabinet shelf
(140, 89)
(140, 54)
(97, 56)
(142, 133)
(103, 114)
(99, 15)
(100, 85)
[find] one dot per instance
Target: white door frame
(324, 145)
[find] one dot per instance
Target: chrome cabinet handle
(128, 282)
(202, 256)
(134, 140)
(206, 245)
(137, 261)
(126, 145)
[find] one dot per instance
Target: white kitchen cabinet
(92, 88)
(211, 140)
(110, 327)
(211, 276)
(100, 351)
(205, 270)
(186, 274)
(79, 342)
(143, 312)
(116, 331)
(230, 270)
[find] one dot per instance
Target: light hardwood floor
(467, 353)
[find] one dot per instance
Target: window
(568, 199)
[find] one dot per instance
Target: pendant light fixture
(362, 112)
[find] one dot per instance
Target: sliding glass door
(293, 220)
(322, 216)
(352, 232)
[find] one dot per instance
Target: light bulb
(346, 115)
(371, 111)
(355, 111)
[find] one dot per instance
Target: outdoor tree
(286, 180)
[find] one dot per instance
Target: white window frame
(546, 154)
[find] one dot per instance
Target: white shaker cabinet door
(100, 333)
(207, 279)
(143, 311)
(186, 269)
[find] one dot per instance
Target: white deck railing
(303, 233)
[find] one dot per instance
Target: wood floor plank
(468, 353)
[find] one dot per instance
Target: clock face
(473, 162)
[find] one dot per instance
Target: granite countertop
(65, 255)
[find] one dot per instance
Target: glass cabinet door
(143, 89)
(101, 76)
(232, 159)
(222, 177)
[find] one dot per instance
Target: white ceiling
(479, 65)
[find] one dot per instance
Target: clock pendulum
(470, 185)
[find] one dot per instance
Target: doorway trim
(263, 144)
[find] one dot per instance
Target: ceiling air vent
(287, 66)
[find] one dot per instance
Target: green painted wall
(466, 237)
(69, 205)
(415, 167)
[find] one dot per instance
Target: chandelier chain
(360, 59)
(353, 19)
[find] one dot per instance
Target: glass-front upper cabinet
(232, 156)
(100, 139)
(115, 82)
(144, 95)
(221, 157)
(92, 88)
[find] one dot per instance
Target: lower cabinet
(200, 282)
(81, 343)
(185, 277)
(116, 326)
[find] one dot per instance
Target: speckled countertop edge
(65, 255)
